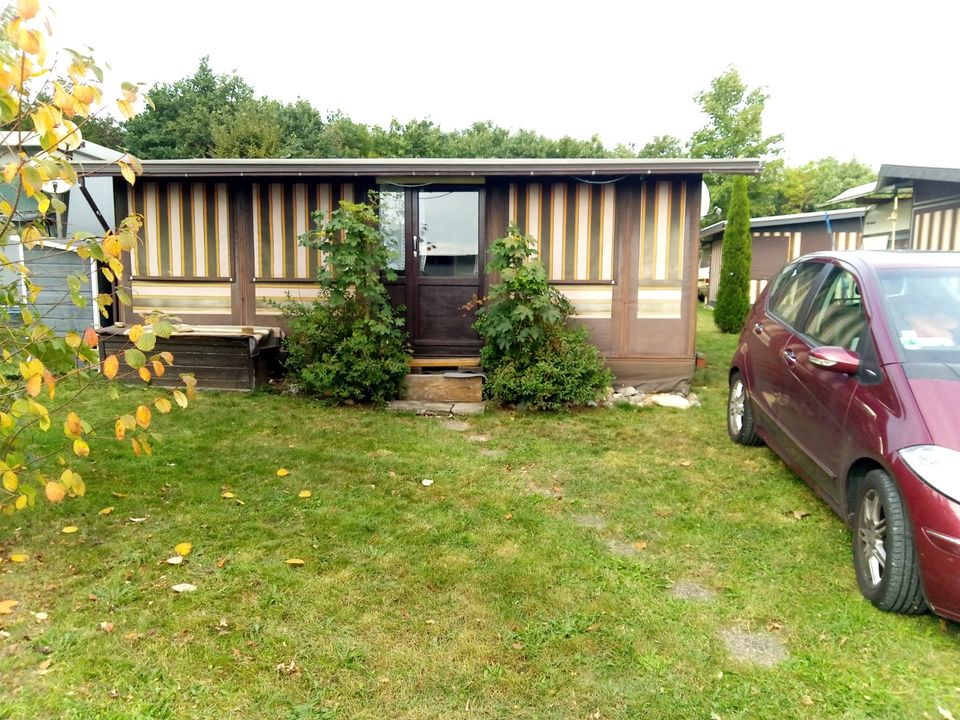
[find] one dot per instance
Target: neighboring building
(778, 239)
(910, 207)
(51, 262)
(618, 237)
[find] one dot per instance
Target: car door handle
(790, 357)
(758, 328)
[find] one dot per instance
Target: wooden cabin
(618, 237)
(778, 239)
(910, 207)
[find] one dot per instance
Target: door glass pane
(392, 227)
(449, 233)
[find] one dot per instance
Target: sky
(870, 80)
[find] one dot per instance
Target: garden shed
(778, 239)
(619, 237)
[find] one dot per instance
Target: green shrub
(529, 354)
(349, 344)
(733, 292)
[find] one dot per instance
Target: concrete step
(451, 387)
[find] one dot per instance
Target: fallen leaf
(282, 472)
(107, 627)
(69, 529)
(806, 700)
(508, 516)
(289, 668)
(228, 496)
(945, 714)
(106, 511)
(304, 494)
(44, 667)
(175, 560)
(19, 557)
(221, 562)
(686, 463)
(137, 519)
(41, 616)
(7, 606)
(183, 548)
(843, 641)
(593, 628)
(517, 646)
(119, 495)
(640, 544)
(294, 562)
(800, 514)
(183, 587)
(426, 482)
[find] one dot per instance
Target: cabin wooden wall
(936, 216)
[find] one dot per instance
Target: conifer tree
(733, 293)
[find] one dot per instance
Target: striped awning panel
(270, 293)
(573, 224)
(181, 298)
(282, 212)
(590, 301)
(186, 230)
(937, 229)
(662, 236)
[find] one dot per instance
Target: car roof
(889, 259)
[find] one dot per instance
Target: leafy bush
(349, 344)
(529, 353)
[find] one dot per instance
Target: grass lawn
(533, 578)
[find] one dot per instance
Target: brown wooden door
(439, 260)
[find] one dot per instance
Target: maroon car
(848, 367)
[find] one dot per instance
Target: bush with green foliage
(349, 344)
(733, 292)
(529, 353)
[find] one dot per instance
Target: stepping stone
(624, 549)
(544, 492)
(590, 521)
(496, 454)
(763, 649)
(468, 408)
(458, 425)
(690, 590)
(478, 438)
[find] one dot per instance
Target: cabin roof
(440, 167)
(707, 233)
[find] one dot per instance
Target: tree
(734, 129)
(41, 373)
(663, 146)
(181, 121)
(805, 188)
(251, 131)
(733, 293)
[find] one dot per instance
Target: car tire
(884, 553)
(740, 413)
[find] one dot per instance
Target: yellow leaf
(51, 383)
(106, 511)
(69, 529)
(282, 472)
(143, 416)
(228, 496)
(27, 8)
(183, 549)
(180, 398)
(34, 384)
(158, 368)
(7, 606)
(119, 430)
(81, 448)
(119, 495)
(55, 491)
(162, 405)
(10, 481)
(73, 426)
(167, 356)
(19, 558)
(21, 502)
(144, 374)
(304, 494)
(73, 340)
(79, 486)
(294, 562)
(90, 337)
(110, 367)
(66, 478)
(136, 332)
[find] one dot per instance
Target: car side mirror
(835, 359)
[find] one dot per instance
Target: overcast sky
(871, 80)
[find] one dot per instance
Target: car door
(814, 400)
(769, 332)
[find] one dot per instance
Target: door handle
(790, 357)
(416, 246)
(758, 328)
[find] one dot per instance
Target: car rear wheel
(740, 413)
(884, 553)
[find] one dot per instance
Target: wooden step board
(453, 387)
(420, 364)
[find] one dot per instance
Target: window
(791, 289)
(836, 316)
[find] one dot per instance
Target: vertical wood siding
(937, 229)
(186, 230)
(573, 223)
(282, 212)
(847, 240)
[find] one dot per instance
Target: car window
(923, 305)
(791, 289)
(836, 315)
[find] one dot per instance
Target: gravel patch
(590, 521)
(478, 438)
(495, 454)
(690, 590)
(458, 425)
(624, 549)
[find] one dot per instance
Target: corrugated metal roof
(440, 167)
(793, 219)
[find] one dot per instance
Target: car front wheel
(884, 553)
(740, 413)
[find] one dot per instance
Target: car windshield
(923, 305)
